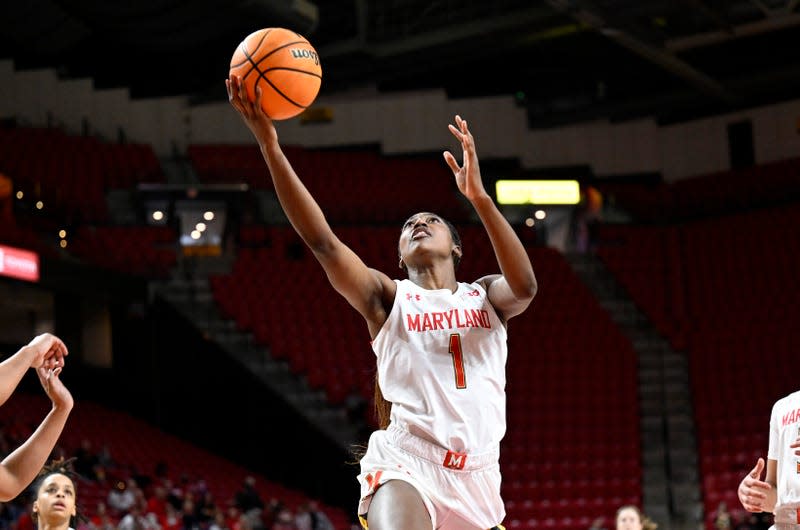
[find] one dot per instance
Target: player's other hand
(752, 490)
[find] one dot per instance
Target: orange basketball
(285, 66)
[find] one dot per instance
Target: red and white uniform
(784, 429)
(441, 363)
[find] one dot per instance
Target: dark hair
(456, 240)
(58, 466)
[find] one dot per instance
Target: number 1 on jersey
(458, 360)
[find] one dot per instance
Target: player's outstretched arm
(512, 292)
(44, 350)
(19, 468)
(363, 287)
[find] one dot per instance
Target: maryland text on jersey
(452, 319)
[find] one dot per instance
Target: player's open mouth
(420, 232)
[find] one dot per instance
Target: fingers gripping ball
(285, 66)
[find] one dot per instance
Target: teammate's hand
(752, 490)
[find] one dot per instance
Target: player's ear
(457, 251)
(401, 264)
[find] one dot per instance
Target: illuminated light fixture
(20, 194)
(200, 227)
(39, 205)
(195, 234)
(540, 214)
(208, 216)
(529, 222)
(158, 215)
(538, 191)
(19, 263)
(62, 233)
(63, 243)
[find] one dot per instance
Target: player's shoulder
(485, 281)
(791, 400)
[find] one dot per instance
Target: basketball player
(46, 354)
(55, 503)
(779, 492)
(440, 346)
(630, 517)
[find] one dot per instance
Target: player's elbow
(8, 492)
(527, 289)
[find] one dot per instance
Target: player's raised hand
(752, 490)
(251, 111)
(47, 351)
(54, 387)
(468, 176)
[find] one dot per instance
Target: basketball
(286, 67)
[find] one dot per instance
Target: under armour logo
(409, 296)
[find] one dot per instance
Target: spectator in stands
(101, 520)
(284, 520)
(630, 517)
(779, 492)
(319, 520)
(45, 353)
(249, 501)
(55, 497)
(120, 498)
(86, 460)
(722, 517)
(157, 502)
(134, 519)
(440, 345)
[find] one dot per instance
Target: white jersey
(441, 363)
(784, 429)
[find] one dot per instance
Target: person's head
(55, 502)
(631, 518)
(426, 234)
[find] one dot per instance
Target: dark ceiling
(564, 60)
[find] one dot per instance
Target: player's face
(424, 233)
(55, 500)
(628, 519)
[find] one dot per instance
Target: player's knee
(398, 505)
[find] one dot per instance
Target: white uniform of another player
(441, 363)
(784, 429)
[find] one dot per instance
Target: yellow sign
(538, 191)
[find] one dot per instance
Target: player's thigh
(398, 505)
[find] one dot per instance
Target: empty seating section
(725, 290)
(351, 186)
(141, 453)
(148, 251)
(717, 193)
(71, 174)
(572, 448)
(647, 263)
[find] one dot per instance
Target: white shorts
(465, 495)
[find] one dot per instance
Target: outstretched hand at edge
(468, 176)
